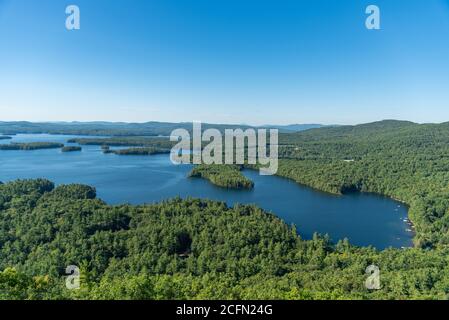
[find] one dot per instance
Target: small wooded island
(5, 138)
(226, 176)
(71, 149)
(136, 151)
(135, 142)
(31, 146)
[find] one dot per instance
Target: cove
(365, 219)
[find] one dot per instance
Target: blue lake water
(365, 219)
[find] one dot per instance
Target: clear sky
(226, 61)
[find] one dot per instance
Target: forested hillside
(186, 249)
(403, 160)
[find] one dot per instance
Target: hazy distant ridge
(152, 128)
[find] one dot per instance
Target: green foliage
(16, 285)
(187, 249)
(73, 192)
(226, 176)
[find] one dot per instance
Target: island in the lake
(226, 176)
(31, 146)
(126, 141)
(136, 151)
(5, 138)
(71, 149)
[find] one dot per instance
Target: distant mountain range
(297, 127)
(152, 128)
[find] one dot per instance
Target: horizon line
(217, 123)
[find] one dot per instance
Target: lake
(365, 219)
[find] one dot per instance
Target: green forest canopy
(226, 176)
(187, 249)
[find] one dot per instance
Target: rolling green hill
(402, 160)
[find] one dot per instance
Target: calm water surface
(364, 219)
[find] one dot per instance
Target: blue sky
(226, 61)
